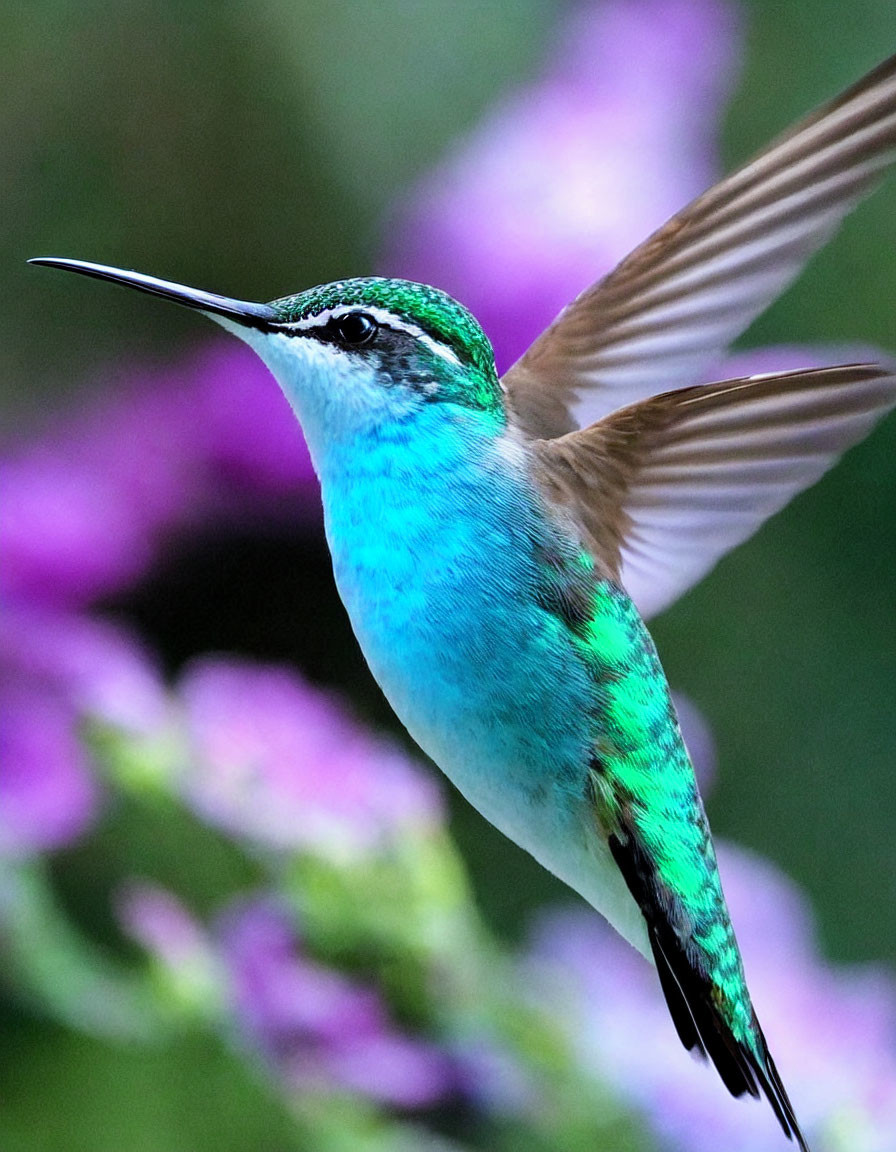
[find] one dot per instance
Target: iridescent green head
(389, 344)
(416, 336)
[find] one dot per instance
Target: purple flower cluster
(316, 1029)
(316, 1026)
(58, 668)
(279, 763)
(89, 505)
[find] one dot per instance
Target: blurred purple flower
(251, 438)
(832, 1030)
(563, 178)
(159, 922)
(315, 1026)
(495, 1078)
(47, 795)
(89, 503)
(58, 670)
(100, 670)
(281, 763)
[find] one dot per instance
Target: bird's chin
(242, 331)
(332, 397)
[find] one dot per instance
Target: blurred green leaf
(57, 971)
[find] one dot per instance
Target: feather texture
(671, 308)
(743, 1063)
(664, 488)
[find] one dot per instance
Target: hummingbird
(499, 542)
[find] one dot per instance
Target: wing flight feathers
(662, 489)
(672, 307)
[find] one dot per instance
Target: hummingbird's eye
(355, 328)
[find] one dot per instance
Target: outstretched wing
(672, 307)
(664, 488)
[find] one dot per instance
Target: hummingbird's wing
(664, 488)
(672, 307)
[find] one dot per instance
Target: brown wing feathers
(674, 304)
(661, 489)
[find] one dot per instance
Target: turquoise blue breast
(438, 546)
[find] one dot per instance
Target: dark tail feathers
(700, 1028)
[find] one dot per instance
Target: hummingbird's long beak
(241, 311)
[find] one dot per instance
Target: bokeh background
(156, 486)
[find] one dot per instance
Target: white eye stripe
(381, 316)
(435, 346)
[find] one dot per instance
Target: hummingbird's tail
(699, 1007)
(644, 800)
(745, 1066)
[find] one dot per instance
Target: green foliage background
(254, 148)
